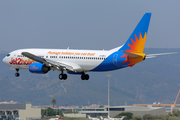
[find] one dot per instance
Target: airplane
(103, 118)
(55, 118)
(92, 118)
(116, 118)
(80, 62)
(111, 118)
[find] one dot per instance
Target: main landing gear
(85, 76)
(62, 76)
(17, 74)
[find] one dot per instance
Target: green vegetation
(127, 115)
(155, 117)
(50, 112)
(176, 113)
(159, 117)
(130, 116)
(53, 102)
(136, 117)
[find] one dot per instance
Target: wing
(54, 65)
(155, 55)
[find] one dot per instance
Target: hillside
(146, 82)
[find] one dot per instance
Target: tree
(43, 112)
(149, 117)
(127, 114)
(53, 102)
(176, 113)
(60, 112)
(50, 112)
(136, 117)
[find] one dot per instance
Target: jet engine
(38, 68)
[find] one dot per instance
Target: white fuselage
(85, 60)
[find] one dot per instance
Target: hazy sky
(86, 24)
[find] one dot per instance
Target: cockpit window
(8, 55)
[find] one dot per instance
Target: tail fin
(136, 42)
(59, 117)
(89, 117)
(122, 118)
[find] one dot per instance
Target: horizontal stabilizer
(132, 55)
(155, 55)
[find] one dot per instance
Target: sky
(85, 24)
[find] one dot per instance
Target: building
(136, 110)
(23, 111)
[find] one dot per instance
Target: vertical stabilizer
(136, 42)
(59, 117)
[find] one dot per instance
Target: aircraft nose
(4, 60)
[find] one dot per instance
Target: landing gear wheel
(85, 77)
(17, 74)
(62, 76)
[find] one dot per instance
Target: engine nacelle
(38, 68)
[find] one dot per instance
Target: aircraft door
(115, 59)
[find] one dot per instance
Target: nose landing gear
(17, 74)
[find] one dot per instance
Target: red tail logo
(59, 117)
